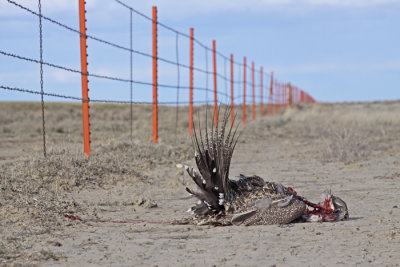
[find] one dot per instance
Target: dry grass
(35, 191)
(345, 145)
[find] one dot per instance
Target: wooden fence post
(84, 78)
(191, 83)
(155, 78)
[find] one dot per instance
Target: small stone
(179, 166)
(395, 207)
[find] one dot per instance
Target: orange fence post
(215, 85)
(244, 90)
(278, 96)
(275, 95)
(270, 108)
(232, 92)
(84, 78)
(283, 100)
(191, 83)
(294, 94)
(254, 90)
(262, 89)
(155, 80)
(282, 95)
(285, 95)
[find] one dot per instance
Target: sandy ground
(352, 149)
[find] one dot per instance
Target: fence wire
(279, 89)
(41, 76)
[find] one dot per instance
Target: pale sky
(344, 50)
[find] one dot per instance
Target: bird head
(330, 209)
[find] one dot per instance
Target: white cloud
(61, 76)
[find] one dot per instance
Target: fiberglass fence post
(191, 82)
(232, 92)
(215, 84)
(271, 93)
(84, 78)
(262, 94)
(155, 78)
(244, 90)
(275, 94)
(279, 96)
(254, 90)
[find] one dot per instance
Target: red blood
(72, 217)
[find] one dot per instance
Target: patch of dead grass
(345, 145)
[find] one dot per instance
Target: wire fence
(249, 86)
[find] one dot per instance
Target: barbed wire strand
(131, 81)
(126, 48)
(95, 100)
(102, 76)
(175, 31)
(110, 101)
(112, 78)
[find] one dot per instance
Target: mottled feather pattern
(250, 200)
(221, 198)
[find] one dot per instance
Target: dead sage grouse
(250, 200)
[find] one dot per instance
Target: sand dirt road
(352, 149)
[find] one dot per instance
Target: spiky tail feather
(213, 155)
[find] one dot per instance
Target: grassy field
(351, 148)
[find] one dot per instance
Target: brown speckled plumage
(247, 201)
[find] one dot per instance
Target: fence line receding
(278, 95)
